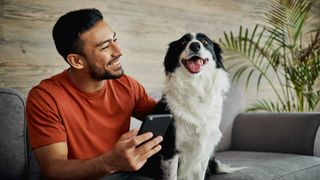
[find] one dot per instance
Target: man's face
(101, 52)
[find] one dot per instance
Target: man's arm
(124, 156)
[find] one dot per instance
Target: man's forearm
(77, 169)
(126, 155)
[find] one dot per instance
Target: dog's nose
(195, 46)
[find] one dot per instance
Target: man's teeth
(114, 63)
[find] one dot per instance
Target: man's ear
(76, 61)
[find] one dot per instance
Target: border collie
(193, 93)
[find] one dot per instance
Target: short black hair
(67, 30)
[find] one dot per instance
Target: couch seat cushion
(269, 166)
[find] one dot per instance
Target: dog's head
(193, 53)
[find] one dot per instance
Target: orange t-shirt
(90, 123)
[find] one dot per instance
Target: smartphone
(156, 123)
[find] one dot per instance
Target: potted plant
(283, 52)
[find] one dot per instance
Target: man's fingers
(140, 139)
(142, 159)
(134, 131)
(149, 145)
(130, 134)
(150, 153)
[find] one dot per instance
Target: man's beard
(97, 74)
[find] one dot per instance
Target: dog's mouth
(195, 63)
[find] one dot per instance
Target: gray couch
(272, 146)
(16, 158)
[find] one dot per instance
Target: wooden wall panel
(145, 27)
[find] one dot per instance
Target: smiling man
(78, 120)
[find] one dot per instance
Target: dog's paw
(225, 168)
(170, 168)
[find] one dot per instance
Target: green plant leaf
(266, 105)
(278, 48)
(249, 78)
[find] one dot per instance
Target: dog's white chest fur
(196, 105)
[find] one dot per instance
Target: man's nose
(116, 50)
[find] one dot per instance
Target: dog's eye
(205, 42)
(183, 43)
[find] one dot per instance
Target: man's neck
(84, 82)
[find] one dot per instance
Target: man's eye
(115, 39)
(105, 47)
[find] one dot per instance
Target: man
(78, 120)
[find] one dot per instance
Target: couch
(16, 158)
(272, 146)
(282, 146)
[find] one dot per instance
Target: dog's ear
(171, 60)
(218, 52)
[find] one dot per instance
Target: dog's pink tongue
(195, 65)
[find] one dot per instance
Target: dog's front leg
(170, 168)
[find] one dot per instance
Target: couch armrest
(317, 144)
(295, 133)
(13, 149)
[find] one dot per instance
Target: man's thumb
(130, 134)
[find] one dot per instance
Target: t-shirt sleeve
(44, 124)
(143, 102)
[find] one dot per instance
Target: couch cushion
(13, 151)
(269, 166)
(293, 133)
(33, 167)
(233, 105)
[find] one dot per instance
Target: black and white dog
(193, 93)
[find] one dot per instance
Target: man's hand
(127, 155)
(124, 156)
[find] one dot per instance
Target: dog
(194, 89)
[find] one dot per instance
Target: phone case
(157, 124)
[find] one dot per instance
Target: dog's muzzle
(194, 64)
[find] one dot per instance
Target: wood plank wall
(144, 28)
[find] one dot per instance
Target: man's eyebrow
(101, 43)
